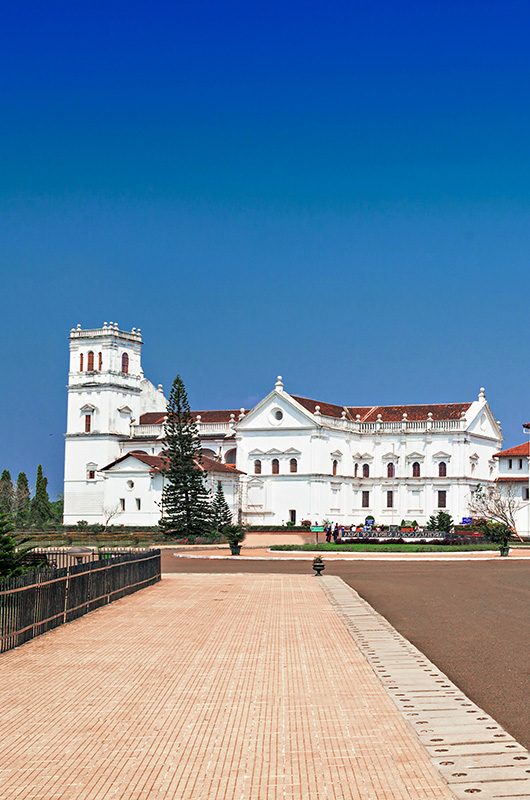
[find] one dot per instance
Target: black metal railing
(40, 600)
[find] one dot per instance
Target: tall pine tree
(6, 493)
(22, 501)
(221, 514)
(40, 505)
(186, 505)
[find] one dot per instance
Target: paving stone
(207, 687)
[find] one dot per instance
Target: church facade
(289, 458)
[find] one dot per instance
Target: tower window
(138, 504)
(100, 361)
(334, 466)
(442, 469)
(355, 470)
(390, 499)
(88, 423)
(442, 499)
(91, 473)
(257, 467)
(390, 472)
(366, 500)
(366, 470)
(81, 362)
(293, 465)
(125, 363)
(122, 503)
(416, 469)
(90, 361)
(275, 466)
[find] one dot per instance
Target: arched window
(390, 470)
(366, 470)
(80, 362)
(90, 361)
(275, 466)
(293, 465)
(125, 363)
(442, 469)
(100, 361)
(230, 456)
(355, 470)
(257, 467)
(416, 470)
(334, 466)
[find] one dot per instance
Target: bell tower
(107, 392)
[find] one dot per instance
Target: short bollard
(318, 566)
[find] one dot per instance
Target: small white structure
(513, 476)
(288, 458)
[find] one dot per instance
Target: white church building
(290, 458)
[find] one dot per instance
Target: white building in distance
(289, 458)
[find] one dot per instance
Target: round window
(130, 484)
(278, 414)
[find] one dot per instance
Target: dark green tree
(221, 514)
(186, 504)
(22, 501)
(7, 494)
(40, 505)
(442, 521)
(13, 550)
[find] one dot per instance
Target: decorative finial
(198, 418)
(404, 417)
(429, 415)
(78, 326)
(241, 413)
(104, 324)
(160, 388)
(317, 410)
(279, 384)
(133, 330)
(357, 418)
(138, 331)
(379, 418)
(343, 415)
(482, 393)
(463, 414)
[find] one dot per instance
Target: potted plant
(318, 566)
(498, 533)
(235, 534)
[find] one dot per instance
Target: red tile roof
(328, 409)
(222, 415)
(519, 450)
(439, 411)
(157, 463)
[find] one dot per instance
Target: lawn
(389, 547)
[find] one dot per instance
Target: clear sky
(336, 192)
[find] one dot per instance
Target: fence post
(66, 593)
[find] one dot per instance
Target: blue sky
(337, 192)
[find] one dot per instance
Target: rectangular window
(88, 423)
(91, 474)
(520, 463)
(292, 516)
(138, 504)
(525, 493)
(366, 500)
(510, 463)
(442, 499)
(390, 499)
(122, 503)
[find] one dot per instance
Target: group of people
(334, 532)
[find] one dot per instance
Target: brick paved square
(206, 686)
